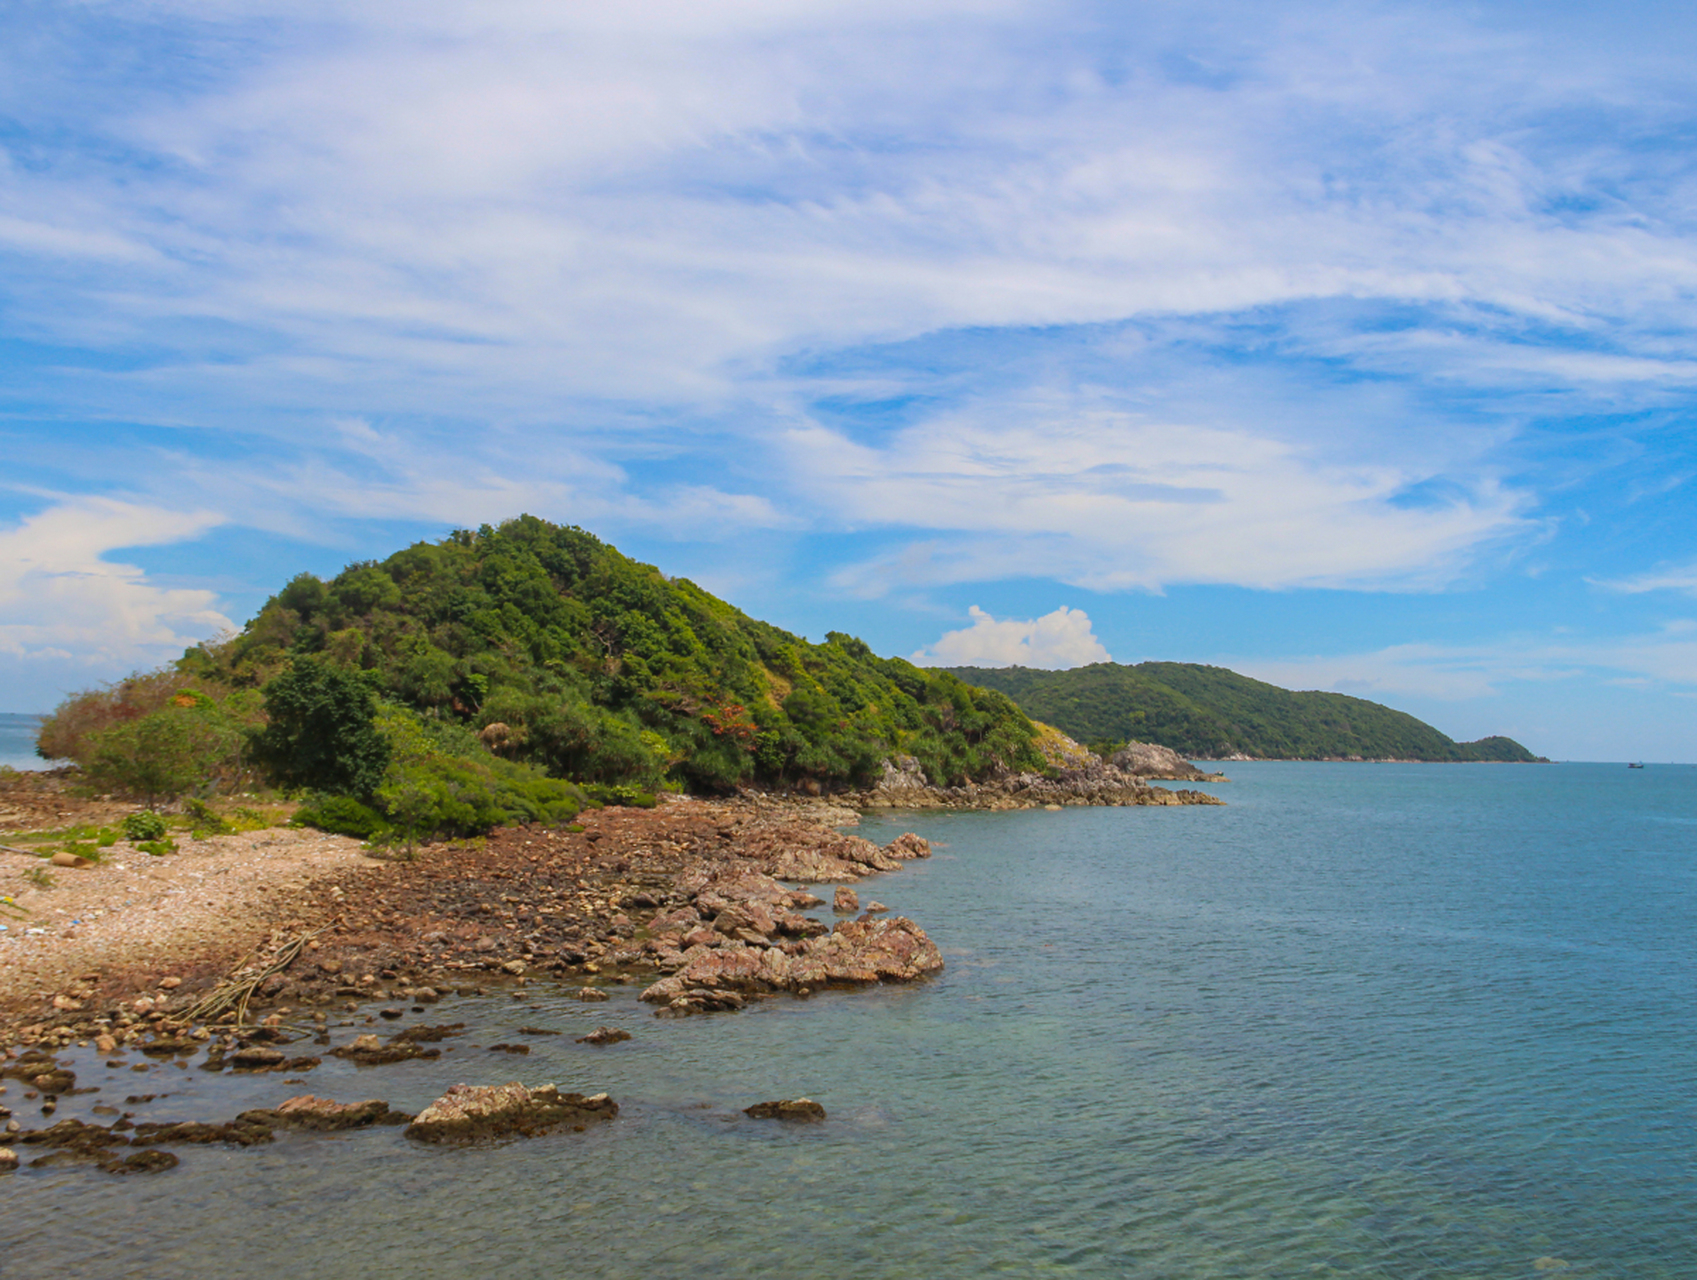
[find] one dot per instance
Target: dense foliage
(1210, 712)
(437, 691)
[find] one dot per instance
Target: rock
(468, 1113)
(604, 1035)
(1149, 760)
(105, 1045)
(875, 907)
(170, 984)
(323, 1115)
(257, 1058)
(66, 1004)
(8, 1159)
(391, 1013)
(856, 951)
(845, 900)
(240, 1132)
(55, 1082)
(330, 966)
(803, 1109)
(423, 995)
(514, 967)
(908, 846)
(593, 994)
(369, 1051)
(142, 1162)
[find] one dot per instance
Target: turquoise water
(17, 741)
(1370, 1020)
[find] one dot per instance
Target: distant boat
(1639, 765)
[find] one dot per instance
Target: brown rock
(8, 1159)
(604, 1035)
(321, 1114)
(845, 900)
(170, 984)
(468, 1113)
(592, 994)
(908, 846)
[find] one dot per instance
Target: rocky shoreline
(694, 901)
(1083, 779)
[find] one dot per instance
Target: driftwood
(235, 991)
(28, 853)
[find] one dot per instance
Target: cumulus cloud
(61, 597)
(1056, 640)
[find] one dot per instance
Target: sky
(1349, 345)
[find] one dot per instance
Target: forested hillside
(1210, 712)
(533, 645)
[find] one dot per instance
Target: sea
(1368, 1020)
(17, 742)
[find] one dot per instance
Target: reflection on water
(1410, 1021)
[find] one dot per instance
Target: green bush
(158, 848)
(165, 754)
(609, 794)
(342, 816)
(442, 796)
(205, 819)
(144, 826)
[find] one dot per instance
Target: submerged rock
(470, 1113)
(805, 1110)
(604, 1035)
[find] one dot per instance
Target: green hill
(1210, 712)
(557, 652)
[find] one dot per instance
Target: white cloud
(60, 596)
(1682, 578)
(1457, 673)
(1109, 500)
(1056, 640)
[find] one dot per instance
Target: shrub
(630, 797)
(341, 816)
(163, 755)
(206, 820)
(143, 826)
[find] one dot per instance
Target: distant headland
(1210, 713)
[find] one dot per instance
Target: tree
(322, 734)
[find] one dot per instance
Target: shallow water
(1369, 1020)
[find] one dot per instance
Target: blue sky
(1349, 345)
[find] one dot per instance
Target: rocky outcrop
(1150, 760)
(903, 785)
(854, 953)
(472, 1113)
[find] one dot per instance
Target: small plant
(205, 820)
(40, 877)
(157, 848)
(139, 827)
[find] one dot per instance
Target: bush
(163, 755)
(444, 796)
(143, 826)
(206, 820)
(630, 797)
(341, 816)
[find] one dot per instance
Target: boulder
(845, 900)
(805, 1110)
(471, 1113)
(604, 1035)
